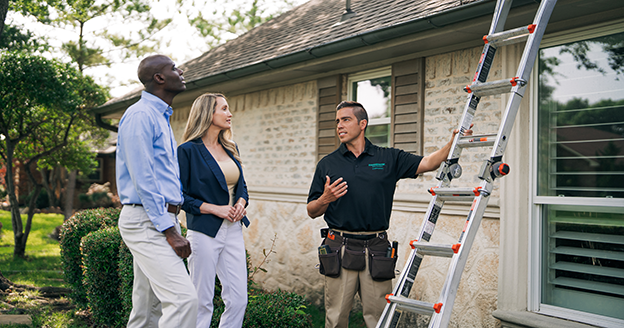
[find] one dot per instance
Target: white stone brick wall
(275, 130)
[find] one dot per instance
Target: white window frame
(536, 203)
(367, 75)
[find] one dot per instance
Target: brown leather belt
(175, 209)
(359, 236)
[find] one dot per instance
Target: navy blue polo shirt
(371, 179)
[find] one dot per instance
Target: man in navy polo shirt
(354, 187)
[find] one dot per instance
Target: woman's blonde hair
(200, 119)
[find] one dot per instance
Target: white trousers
(223, 255)
(163, 294)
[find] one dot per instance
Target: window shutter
(408, 105)
(328, 99)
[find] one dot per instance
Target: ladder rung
(415, 306)
(477, 140)
(509, 41)
(440, 250)
(496, 38)
(456, 194)
(494, 87)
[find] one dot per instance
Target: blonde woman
(215, 197)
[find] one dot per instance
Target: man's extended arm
(432, 161)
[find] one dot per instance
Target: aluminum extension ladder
(491, 169)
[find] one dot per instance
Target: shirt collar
(158, 104)
(369, 148)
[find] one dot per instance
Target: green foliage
(78, 226)
(100, 256)
(40, 9)
(32, 85)
(126, 280)
(44, 110)
(15, 39)
(276, 309)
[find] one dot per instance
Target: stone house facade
(283, 124)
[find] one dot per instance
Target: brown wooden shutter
(328, 99)
(408, 86)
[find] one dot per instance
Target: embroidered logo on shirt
(377, 166)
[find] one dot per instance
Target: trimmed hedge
(76, 227)
(126, 278)
(100, 251)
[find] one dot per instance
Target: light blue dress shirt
(147, 166)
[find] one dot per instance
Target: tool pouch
(380, 266)
(330, 262)
(354, 256)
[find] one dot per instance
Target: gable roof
(311, 31)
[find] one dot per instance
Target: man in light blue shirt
(148, 183)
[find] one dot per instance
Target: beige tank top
(231, 173)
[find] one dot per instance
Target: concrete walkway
(22, 319)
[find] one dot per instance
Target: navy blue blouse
(203, 181)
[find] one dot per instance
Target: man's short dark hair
(358, 110)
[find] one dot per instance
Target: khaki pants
(339, 293)
(163, 294)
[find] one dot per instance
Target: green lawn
(42, 266)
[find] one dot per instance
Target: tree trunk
(4, 7)
(57, 184)
(16, 219)
(45, 177)
(69, 194)
(20, 245)
(48, 181)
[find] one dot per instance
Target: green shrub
(100, 254)
(126, 278)
(276, 309)
(76, 227)
(267, 309)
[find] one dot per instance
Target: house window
(97, 175)
(579, 194)
(373, 90)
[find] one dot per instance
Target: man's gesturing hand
(180, 245)
(334, 191)
(331, 192)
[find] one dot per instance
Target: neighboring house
(550, 250)
(105, 170)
